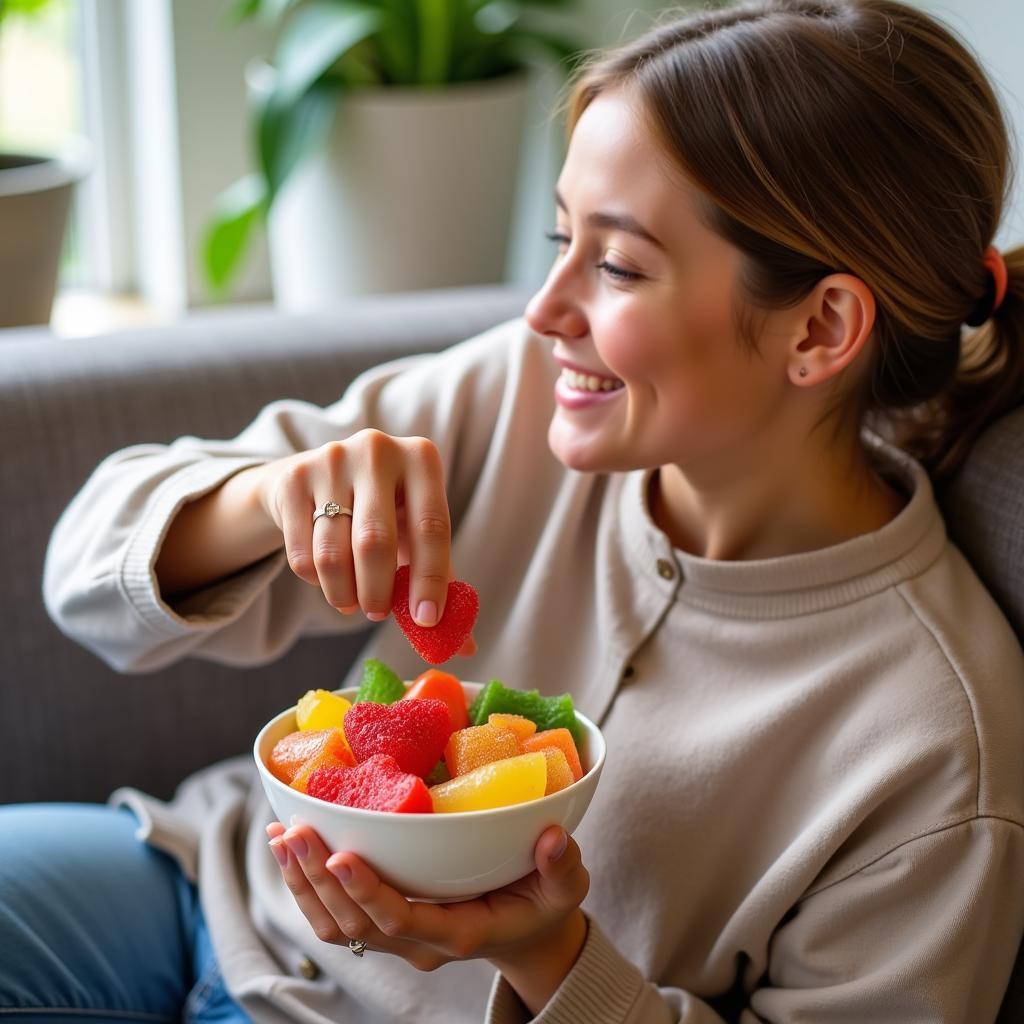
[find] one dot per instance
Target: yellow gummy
(320, 709)
(513, 780)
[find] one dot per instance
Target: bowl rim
(267, 775)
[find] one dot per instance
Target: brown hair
(855, 136)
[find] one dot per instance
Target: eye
(613, 271)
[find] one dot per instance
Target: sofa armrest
(72, 728)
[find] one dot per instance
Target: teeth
(588, 382)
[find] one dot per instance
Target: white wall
(994, 29)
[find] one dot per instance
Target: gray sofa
(72, 729)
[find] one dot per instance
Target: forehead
(614, 164)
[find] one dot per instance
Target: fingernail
(341, 871)
(426, 613)
(560, 848)
(278, 849)
(297, 845)
(376, 616)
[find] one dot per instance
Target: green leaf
(317, 37)
(285, 134)
(435, 18)
(268, 11)
(236, 211)
(397, 42)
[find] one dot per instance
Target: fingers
(455, 930)
(429, 531)
(564, 881)
(333, 916)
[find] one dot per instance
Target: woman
(694, 485)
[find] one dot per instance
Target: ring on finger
(331, 509)
(358, 946)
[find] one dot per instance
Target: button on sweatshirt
(812, 804)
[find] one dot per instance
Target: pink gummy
(436, 644)
(413, 732)
(376, 784)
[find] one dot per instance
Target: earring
(803, 371)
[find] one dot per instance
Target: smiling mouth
(589, 382)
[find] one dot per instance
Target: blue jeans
(97, 925)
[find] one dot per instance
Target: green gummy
(548, 712)
(437, 774)
(380, 684)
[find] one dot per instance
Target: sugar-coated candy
(514, 780)
(291, 752)
(476, 745)
(546, 712)
(320, 709)
(437, 685)
(518, 724)
(380, 684)
(436, 644)
(376, 784)
(333, 750)
(413, 732)
(559, 773)
(562, 739)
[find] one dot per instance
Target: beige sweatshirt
(813, 798)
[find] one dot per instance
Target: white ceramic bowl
(438, 857)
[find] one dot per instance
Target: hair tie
(996, 290)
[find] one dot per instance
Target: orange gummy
(333, 751)
(291, 752)
(559, 772)
(522, 726)
(478, 745)
(560, 738)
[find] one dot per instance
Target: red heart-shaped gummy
(436, 644)
(377, 784)
(413, 732)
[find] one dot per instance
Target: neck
(762, 506)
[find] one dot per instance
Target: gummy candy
(320, 709)
(291, 752)
(380, 684)
(476, 745)
(444, 686)
(559, 773)
(562, 739)
(546, 712)
(413, 732)
(376, 784)
(334, 750)
(514, 780)
(521, 726)
(436, 644)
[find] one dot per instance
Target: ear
(838, 317)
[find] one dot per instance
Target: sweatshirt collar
(800, 583)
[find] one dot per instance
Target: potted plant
(35, 196)
(386, 136)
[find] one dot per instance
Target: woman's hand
(395, 489)
(531, 930)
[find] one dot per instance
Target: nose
(553, 311)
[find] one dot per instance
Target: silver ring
(357, 946)
(331, 509)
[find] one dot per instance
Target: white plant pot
(414, 189)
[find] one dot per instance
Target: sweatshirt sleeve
(99, 586)
(927, 932)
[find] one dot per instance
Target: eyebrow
(621, 221)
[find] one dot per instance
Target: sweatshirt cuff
(212, 606)
(602, 988)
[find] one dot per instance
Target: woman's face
(676, 385)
